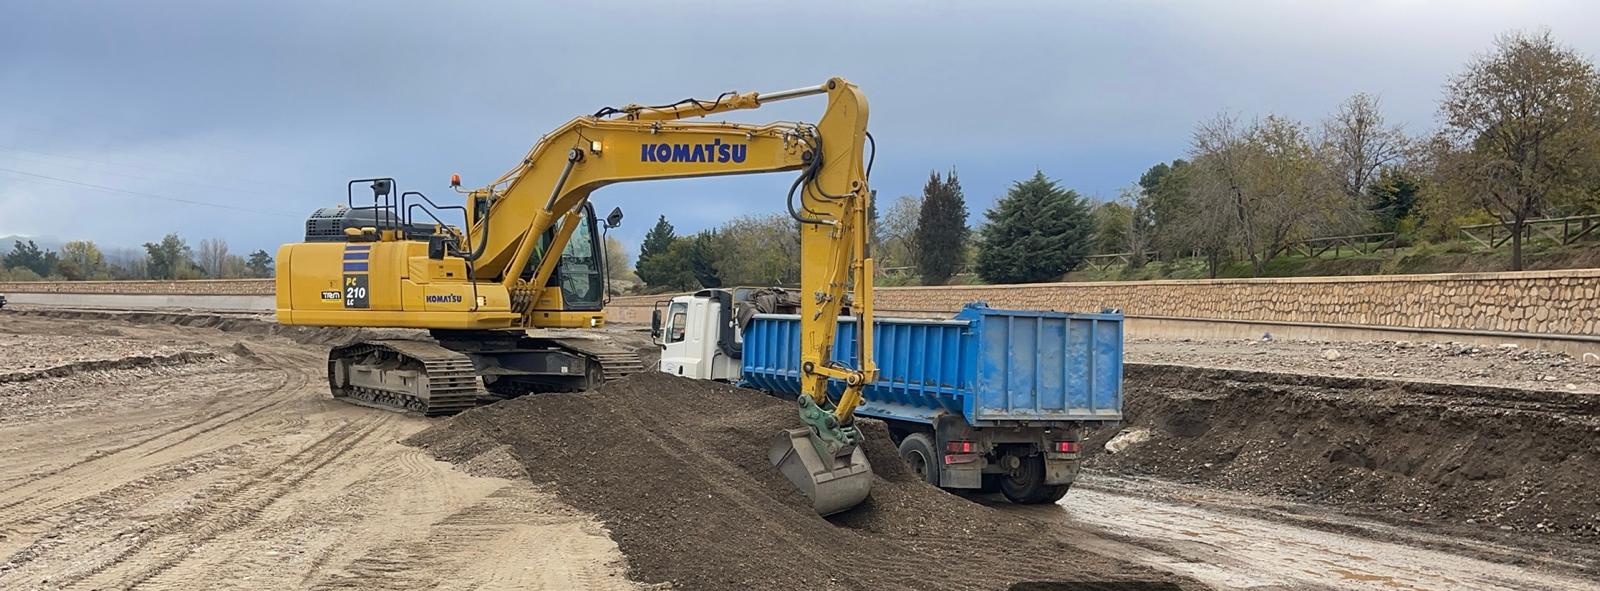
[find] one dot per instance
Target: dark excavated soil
(1496, 460)
(677, 469)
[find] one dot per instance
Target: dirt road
(1455, 363)
(1237, 541)
(219, 462)
(236, 471)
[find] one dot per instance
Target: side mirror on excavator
(614, 218)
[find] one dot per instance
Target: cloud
(276, 104)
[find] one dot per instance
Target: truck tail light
(959, 447)
(1066, 447)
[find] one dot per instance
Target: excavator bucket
(833, 481)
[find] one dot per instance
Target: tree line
(169, 258)
(1519, 139)
(1038, 231)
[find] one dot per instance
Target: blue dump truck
(989, 400)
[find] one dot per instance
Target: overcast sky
(119, 119)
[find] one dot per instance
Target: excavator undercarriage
(442, 377)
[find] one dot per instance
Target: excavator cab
(581, 274)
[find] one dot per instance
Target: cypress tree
(941, 233)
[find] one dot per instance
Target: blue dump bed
(993, 367)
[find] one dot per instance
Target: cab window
(677, 321)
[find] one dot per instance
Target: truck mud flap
(1060, 468)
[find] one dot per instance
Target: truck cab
(689, 334)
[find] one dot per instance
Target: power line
(149, 195)
(236, 186)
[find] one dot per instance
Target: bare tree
(127, 263)
(1523, 125)
(1360, 144)
(213, 254)
(619, 263)
(1124, 225)
(1141, 224)
(898, 232)
(1270, 179)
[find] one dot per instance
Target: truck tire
(917, 450)
(1026, 486)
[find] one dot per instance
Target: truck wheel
(917, 450)
(1026, 486)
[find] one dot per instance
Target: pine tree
(705, 252)
(260, 264)
(658, 240)
(653, 268)
(941, 233)
(1037, 232)
(1393, 197)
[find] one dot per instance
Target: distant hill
(44, 242)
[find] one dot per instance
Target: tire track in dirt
(292, 382)
(489, 538)
(278, 392)
(100, 508)
(117, 454)
(110, 453)
(172, 536)
(248, 476)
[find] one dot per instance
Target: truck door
(675, 350)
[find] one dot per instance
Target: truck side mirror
(655, 325)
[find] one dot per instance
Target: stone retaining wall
(194, 287)
(1563, 302)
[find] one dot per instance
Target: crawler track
(451, 383)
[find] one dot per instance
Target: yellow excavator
(528, 255)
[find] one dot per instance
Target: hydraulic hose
(789, 201)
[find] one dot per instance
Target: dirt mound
(677, 469)
(131, 362)
(237, 324)
(242, 351)
(1485, 457)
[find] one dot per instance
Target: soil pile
(1499, 458)
(237, 324)
(131, 362)
(678, 471)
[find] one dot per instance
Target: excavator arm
(830, 200)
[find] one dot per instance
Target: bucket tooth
(833, 483)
